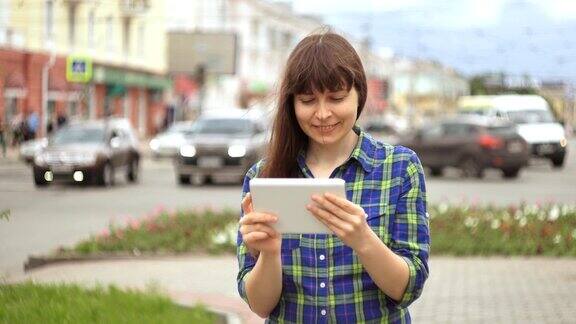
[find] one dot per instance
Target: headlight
(563, 142)
(236, 151)
(188, 151)
(154, 145)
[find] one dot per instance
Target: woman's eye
(338, 99)
(306, 100)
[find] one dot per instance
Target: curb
(38, 261)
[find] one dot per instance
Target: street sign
(78, 69)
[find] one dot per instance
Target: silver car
(168, 143)
(223, 146)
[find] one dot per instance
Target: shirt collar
(363, 152)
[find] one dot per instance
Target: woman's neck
(334, 154)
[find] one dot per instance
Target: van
(533, 117)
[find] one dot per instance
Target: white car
(30, 148)
(168, 143)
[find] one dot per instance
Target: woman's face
(327, 117)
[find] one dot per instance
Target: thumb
(247, 204)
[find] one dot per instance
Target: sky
(518, 37)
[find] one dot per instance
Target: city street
(42, 219)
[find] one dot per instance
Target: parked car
(384, 131)
(90, 151)
(30, 148)
(224, 144)
(532, 114)
(168, 143)
(472, 144)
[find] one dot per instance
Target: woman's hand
(257, 232)
(344, 218)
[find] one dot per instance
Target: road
(43, 219)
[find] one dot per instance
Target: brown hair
(320, 62)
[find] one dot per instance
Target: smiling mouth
(326, 128)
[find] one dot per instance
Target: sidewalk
(459, 290)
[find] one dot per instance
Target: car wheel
(184, 179)
(471, 168)
(510, 173)
(106, 176)
(39, 180)
(133, 171)
(558, 161)
(436, 172)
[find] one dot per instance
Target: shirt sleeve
(410, 237)
(246, 260)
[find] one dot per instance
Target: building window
(109, 34)
(72, 23)
(49, 20)
(141, 39)
(91, 29)
(126, 36)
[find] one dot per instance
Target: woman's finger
(328, 217)
(254, 236)
(332, 208)
(334, 229)
(345, 204)
(247, 204)
(254, 217)
(259, 227)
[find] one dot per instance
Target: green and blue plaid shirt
(322, 279)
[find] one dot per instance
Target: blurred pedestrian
(3, 136)
(32, 124)
(17, 129)
(61, 120)
(376, 262)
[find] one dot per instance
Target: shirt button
(322, 285)
(322, 257)
(323, 312)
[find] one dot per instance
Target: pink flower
(105, 233)
(134, 224)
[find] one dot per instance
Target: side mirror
(115, 142)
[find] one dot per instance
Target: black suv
(91, 151)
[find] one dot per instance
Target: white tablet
(287, 198)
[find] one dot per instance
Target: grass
(455, 230)
(33, 303)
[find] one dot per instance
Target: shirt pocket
(290, 242)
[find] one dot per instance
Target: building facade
(124, 40)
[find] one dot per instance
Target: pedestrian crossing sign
(78, 69)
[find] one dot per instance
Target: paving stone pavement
(459, 290)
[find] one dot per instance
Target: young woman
(376, 262)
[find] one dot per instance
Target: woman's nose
(323, 110)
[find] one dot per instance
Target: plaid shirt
(323, 280)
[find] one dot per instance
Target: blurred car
(533, 117)
(167, 144)
(30, 148)
(91, 151)
(224, 144)
(384, 132)
(472, 144)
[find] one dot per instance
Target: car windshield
(226, 126)
(72, 135)
(502, 129)
(531, 116)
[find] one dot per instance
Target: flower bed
(456, 230)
